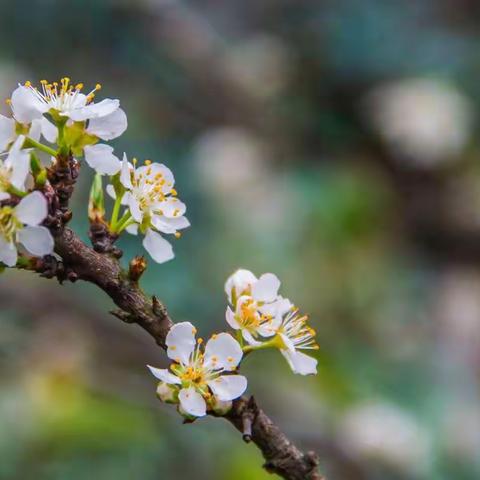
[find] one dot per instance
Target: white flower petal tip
(222, 351)
(266, 289)
(164, 375)
(192, 402)
(228, 387)
(300, 363)
(159, 249)
(100, 157)
(180, 342)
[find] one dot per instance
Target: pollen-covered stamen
(9, 224)
(149, 189)
(296, 328)
(197, 373)
(60, 96)
(249, 316)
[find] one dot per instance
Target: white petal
(26, 106)
(20, 161)
(300, 363)
(164, 375)
(110, 126)
(134, 207)
(171, 207)
(269, 328)
(181, 342)
(101, 158)
(7, 132)
(158, 248)
(111, 191)
(228, 387)
(169, 225)
(8, 253)
(192, 402)
(125, 176)
(223, 351)
(4, 196)
(49, 130)
(230, 317)
(288, 343)
(37, 240)
(95, 110)
(32, 209)
(132, 229)
(241, 280)
(35, 130)
(266, 289)
(249, 338)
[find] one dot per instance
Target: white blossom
(203, 376)
(21, 224)
(153, 206)
(9, 131)
(295, 334)
(254, 304)
(14, 169)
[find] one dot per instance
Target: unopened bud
(96, 203)
(167, 393)
(220, 407)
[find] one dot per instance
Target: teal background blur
(333, 143)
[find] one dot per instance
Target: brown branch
(102, 268)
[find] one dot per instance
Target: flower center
(9, 224)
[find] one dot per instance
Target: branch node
(137, 266)
(123, 316)
(249, 414)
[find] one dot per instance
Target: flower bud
(220, 407)
(136, 268)
(96, 204)
(167, 393)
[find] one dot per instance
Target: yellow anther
(178, 234)
(148, 162)
(44, 82)
(214, 336)
(28, 83)
(78, 86)
(8, 101)
(173, 192)
(98, 86)
(194, 330)
(200, 341)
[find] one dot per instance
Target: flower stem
(29, 143)
(124, 222)
(115, 212)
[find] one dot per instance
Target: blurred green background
(333, 143)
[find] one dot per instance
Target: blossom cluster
(201, 379)
(57, 123)
(57, 119)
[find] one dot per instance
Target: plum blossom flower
(153, 206)
(14, 169)
(66, 100)
(254, 304)
(294, 334)
(202, 375)
(21, 224)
